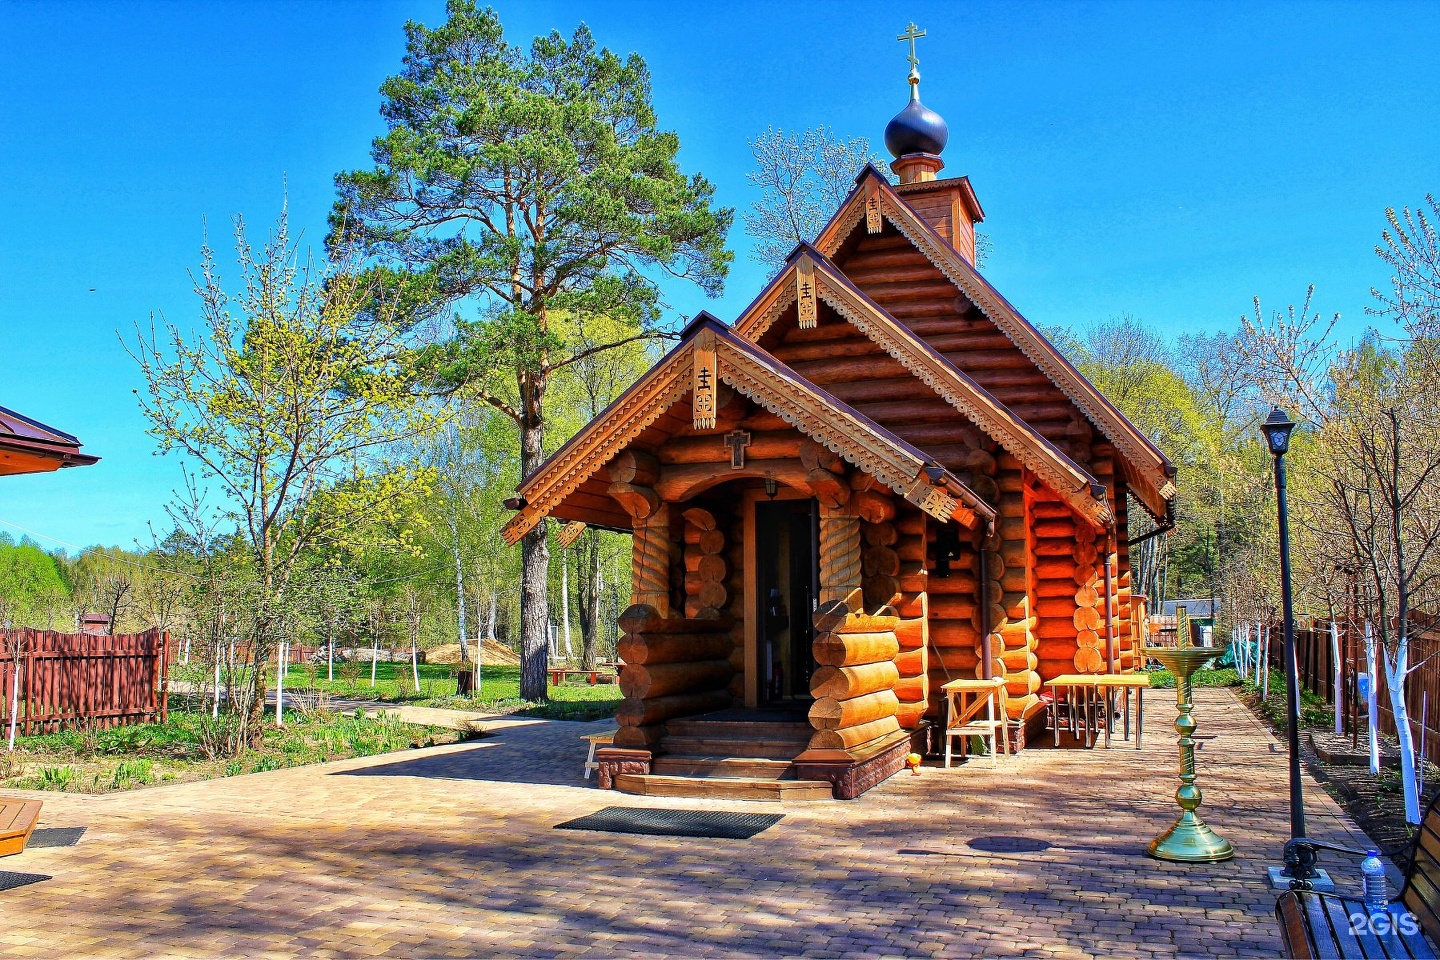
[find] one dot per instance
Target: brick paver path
(451, 852)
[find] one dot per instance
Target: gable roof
(1073, 483)
(29, 446)
(1150, 471)
(769, 383)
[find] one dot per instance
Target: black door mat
(9, 881)
(55, 837)
(675, 823)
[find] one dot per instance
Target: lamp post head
(1277, 429)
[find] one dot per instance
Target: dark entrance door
(788, 581)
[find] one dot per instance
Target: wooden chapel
(879, 478)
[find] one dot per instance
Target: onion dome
(917, 128)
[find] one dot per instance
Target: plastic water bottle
(1372, 879)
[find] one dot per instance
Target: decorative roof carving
(1149, 462)
(772, 385)
(950, 383)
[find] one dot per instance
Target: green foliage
(1227, 677)
(137, 772)
(33, 590)
(57, 778)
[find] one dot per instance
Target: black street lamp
(1299, 858)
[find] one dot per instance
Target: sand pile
(495, 654)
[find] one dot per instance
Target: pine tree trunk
(534, 573)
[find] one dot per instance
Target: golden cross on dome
(912, 33)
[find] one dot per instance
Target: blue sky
(1166, 160)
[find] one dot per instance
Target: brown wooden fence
(1316, 667)
(69, 678)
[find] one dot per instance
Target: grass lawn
(121, 758)
(576, 699)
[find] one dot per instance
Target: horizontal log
(642, 619)
(842, 683)
(854, 649)
(912, 689)
(1017, 706)
(958, 582)
(879, 561)
(1061, 567)
(713, 594)
(1022, 684)
(1019, 660)
(673, 648)
(1054, 548)
(1053, 629)
(1087, 618)
(910, 634)
(712, 542)
(634, 467)
(833, 619)
(912, 663)
(1052, 667)
(713, 567)
(951, 606)
(640, 713)
(909, 715)
(639, 738)
(872, 506)
(1089, 660)
(880, 534)
(641, 681)
(828, 713)
(853, 736)
(953, 633)
(880, 590)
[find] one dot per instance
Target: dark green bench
(1315, 925)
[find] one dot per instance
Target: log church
(878, 478)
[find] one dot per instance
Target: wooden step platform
(723, 766)
(722, 788)
(17, 821)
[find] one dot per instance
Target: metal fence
(69, 679)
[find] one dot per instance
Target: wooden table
(1124, 682)
(964, 701)
(1072, 686)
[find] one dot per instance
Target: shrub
(136, 772)
(57, 778)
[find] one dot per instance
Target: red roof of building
(29, 446)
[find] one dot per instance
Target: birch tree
(284, 401)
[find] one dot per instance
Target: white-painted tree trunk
(552, 640)
(374, 657)
(1339, 684)
(490, 620)
(1396, 670)
(280, 685)
(215, 711)
(415, 664)
(1372, 698)
(187, 649)
(330, 659)
(565, 602)
(1264, 662)
(14, 703)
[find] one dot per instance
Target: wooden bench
(559, 675)
(17, 821)
(1314, 925)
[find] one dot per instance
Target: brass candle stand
(1189, 839)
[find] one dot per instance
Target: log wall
(855, 688)
(674, 667)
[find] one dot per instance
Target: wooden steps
(722, 788)
(731, 755)
(743, 767)
(17, 821)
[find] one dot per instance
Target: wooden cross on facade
(737, 441)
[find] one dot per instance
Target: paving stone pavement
(451, 852)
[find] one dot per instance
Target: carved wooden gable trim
(773, 386)
(951, 384)
(1149, 463)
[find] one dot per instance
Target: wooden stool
(965, 699)
(596, 740)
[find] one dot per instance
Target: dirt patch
(492, 654)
